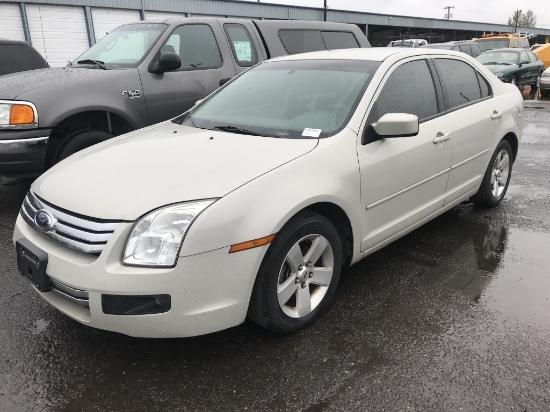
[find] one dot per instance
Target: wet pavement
(454, 316)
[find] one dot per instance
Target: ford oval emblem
(44, 220)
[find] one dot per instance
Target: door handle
(442, 138)
(496, 115)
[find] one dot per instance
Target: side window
(524, 58)
(241, 44)
(301, 41)
(459, 82)
(465, 48)
(196, 46)
(476, 51)
(485, 87)
(339, 40)
(401, 95)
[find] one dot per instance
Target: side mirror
(167, 62)
(397, 125)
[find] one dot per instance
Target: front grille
(77, 296)
(76, 232)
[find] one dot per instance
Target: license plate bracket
(31, 264)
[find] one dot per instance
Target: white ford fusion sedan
(252, 203)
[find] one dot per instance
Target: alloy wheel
(305, 276)
(500, 173)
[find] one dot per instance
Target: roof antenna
(404, 38)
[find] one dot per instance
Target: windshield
(289, 99)
(490, 44)
(498, 57)
(124, 47)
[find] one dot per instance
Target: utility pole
(325, 11)
(448, 8)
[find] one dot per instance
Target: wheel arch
(341, 221)
(514, 142)
(103, 119)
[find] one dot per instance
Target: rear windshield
(490, 44)
(18, 57)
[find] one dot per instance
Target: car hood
(167, 163)
(13, 86)
(500, 68)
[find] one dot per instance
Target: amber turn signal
(21, 114)
(251, 244)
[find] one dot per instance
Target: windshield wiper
(234, 129)
(97, 63)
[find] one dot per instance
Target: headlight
(156, 238)
(499, 74)
(17, 115)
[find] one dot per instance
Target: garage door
(106, 20)
(11, 26)
(57, 32)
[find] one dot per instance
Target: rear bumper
(22, 153)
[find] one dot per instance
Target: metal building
(62, 29)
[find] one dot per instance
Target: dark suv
(469, 47)
(18, 56)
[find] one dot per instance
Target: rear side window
(460, 85)
(476, 51)
(484, 85)
(339, 40)
(465, 48)
(17, 57)
(241, 44)
(196, 46)
(301, 41)
(401, 95)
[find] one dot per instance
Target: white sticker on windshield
(312, 132)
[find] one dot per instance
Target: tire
(497, 177)
(545, 92)
(514, 81)
(286, 282)
(536, 85)
(80, 140)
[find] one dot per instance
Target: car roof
(506, 49)
(371, 54)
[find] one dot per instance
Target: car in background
(18, 56)
(408, 43)
(545, 83)
(513, 66)
(503, 41)
(255, 200)
(469, 47)
(543, 54)
(535, 46)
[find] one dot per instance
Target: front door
(403, 179)
(205, 61)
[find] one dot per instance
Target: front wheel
(497, 177)
(514, 81)
(298, 275)
(79, 140)
(545, 92)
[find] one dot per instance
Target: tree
(520, 19)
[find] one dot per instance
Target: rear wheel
(298, 276)
(497, 177)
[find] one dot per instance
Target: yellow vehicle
(543, 53)
(503, 41)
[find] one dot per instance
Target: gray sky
(487, 11)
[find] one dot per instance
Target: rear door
(474, 113)
(206, 59)
(403, 179)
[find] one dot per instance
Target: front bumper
(22, 152)
(209, 291)
(545, 83)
